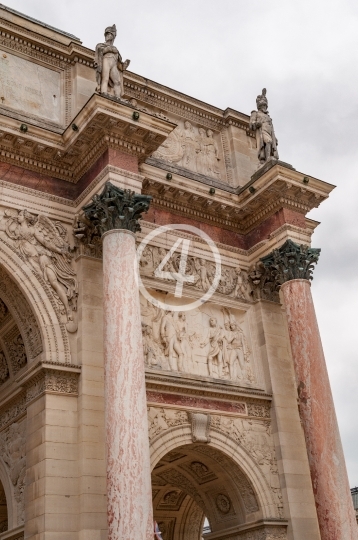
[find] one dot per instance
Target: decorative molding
(291, 261)
(203, 387)
(202, 404)
(54, 381)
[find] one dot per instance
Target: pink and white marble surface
(130, 515)
(327, 464)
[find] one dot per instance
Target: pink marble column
(328, 470)
(129, 491)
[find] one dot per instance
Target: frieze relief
(209, 341)
(13, 453)
(52, 380)
(43, 245)
(234, 281)
(194, 148)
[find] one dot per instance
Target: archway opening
(3, 510)
(197, 490)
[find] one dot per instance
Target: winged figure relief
(44, 245)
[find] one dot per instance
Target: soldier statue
(260, 121)
(108, 64)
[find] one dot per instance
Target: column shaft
(128, 461)
(325, 453)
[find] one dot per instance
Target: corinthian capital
(291, 261)
(114, 208)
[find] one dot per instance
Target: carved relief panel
(234, 281)
(43, 245)
(210, 341)
(195, 148)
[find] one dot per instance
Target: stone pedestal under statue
(292, 265)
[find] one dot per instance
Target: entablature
(278, 187)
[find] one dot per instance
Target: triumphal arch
(160, 359)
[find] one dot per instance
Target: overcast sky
(305, 52)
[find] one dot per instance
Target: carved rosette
(114, 208)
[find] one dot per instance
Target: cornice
(279, 187)
(170, 100)
(102, 123)
(40, 47)
(201, 386)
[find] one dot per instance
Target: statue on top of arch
(109, 65)
(261, 123)
(43, 244)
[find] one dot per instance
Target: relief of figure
(108, 64)
(240, 290)
(212, 155)
(151, 350)
(191, 147)
(201, 157)
(237, 351)
(168, 332)
(215, 354)
(261, 122)
(203, 278)
(43, 244)
(182, 334)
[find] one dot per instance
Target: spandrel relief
(194, 148)
(43, 245)
(210, 341)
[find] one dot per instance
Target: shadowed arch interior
(197, 481)
(3, 510)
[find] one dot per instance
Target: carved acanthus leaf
(114, 208)
(291, 261)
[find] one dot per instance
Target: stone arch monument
(160, 360)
